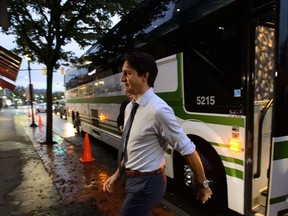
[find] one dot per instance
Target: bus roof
(148, 21)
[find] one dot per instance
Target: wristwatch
(205, 184)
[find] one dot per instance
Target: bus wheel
(214, 170)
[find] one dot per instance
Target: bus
(223, 69)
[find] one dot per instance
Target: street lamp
(30, 91)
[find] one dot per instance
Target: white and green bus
(223, 68)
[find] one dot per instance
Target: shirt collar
(143, 100)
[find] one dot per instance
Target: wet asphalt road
(39, 179)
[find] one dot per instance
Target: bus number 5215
(205, 100)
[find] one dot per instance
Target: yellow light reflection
(103, 117)
(103, 176)
(234, 145)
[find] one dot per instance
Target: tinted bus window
(212, 69)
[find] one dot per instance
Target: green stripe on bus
(230, 121)
(234, 172)
(278, 199)
(221, 120)
(280, 150)
(176, 105)
(232, 160)
(219, 145)
(114, 99)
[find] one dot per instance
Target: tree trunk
(49, 96)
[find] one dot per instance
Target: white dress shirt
(153, 128)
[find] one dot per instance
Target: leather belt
(130, 172)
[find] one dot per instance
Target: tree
(43, 27)
(58, 96)
(19, 93)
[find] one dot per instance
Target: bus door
(264, 69)
(277, 203)
(269, 192)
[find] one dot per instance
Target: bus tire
(214, 171)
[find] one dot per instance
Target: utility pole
(31, 94)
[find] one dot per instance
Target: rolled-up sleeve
(170, 130)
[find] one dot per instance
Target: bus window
(264, 63)
(212, 71)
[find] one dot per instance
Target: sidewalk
(54, 181)
(79, 184)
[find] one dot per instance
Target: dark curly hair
(143, 62)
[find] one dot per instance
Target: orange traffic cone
(29, 114)
(87, 156)
(39, 120)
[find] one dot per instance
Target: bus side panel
(278, 182)
(233, 162)
(107, 130)
(278, 186)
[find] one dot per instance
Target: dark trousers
(143, 193)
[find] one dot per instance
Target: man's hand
(109, 183)
(204, 194)
(121, 129)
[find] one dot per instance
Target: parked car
(42, 107)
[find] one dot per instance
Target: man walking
(146, 138)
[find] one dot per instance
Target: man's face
(133, 83)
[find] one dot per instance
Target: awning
(9, 65)
(5, 84)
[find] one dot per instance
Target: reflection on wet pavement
(79, 182)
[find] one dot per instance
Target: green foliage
(58, 96)
(42, 28)
(19, 93)
(39, 94)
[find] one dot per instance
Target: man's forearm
(121, 168)
(196, 165)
